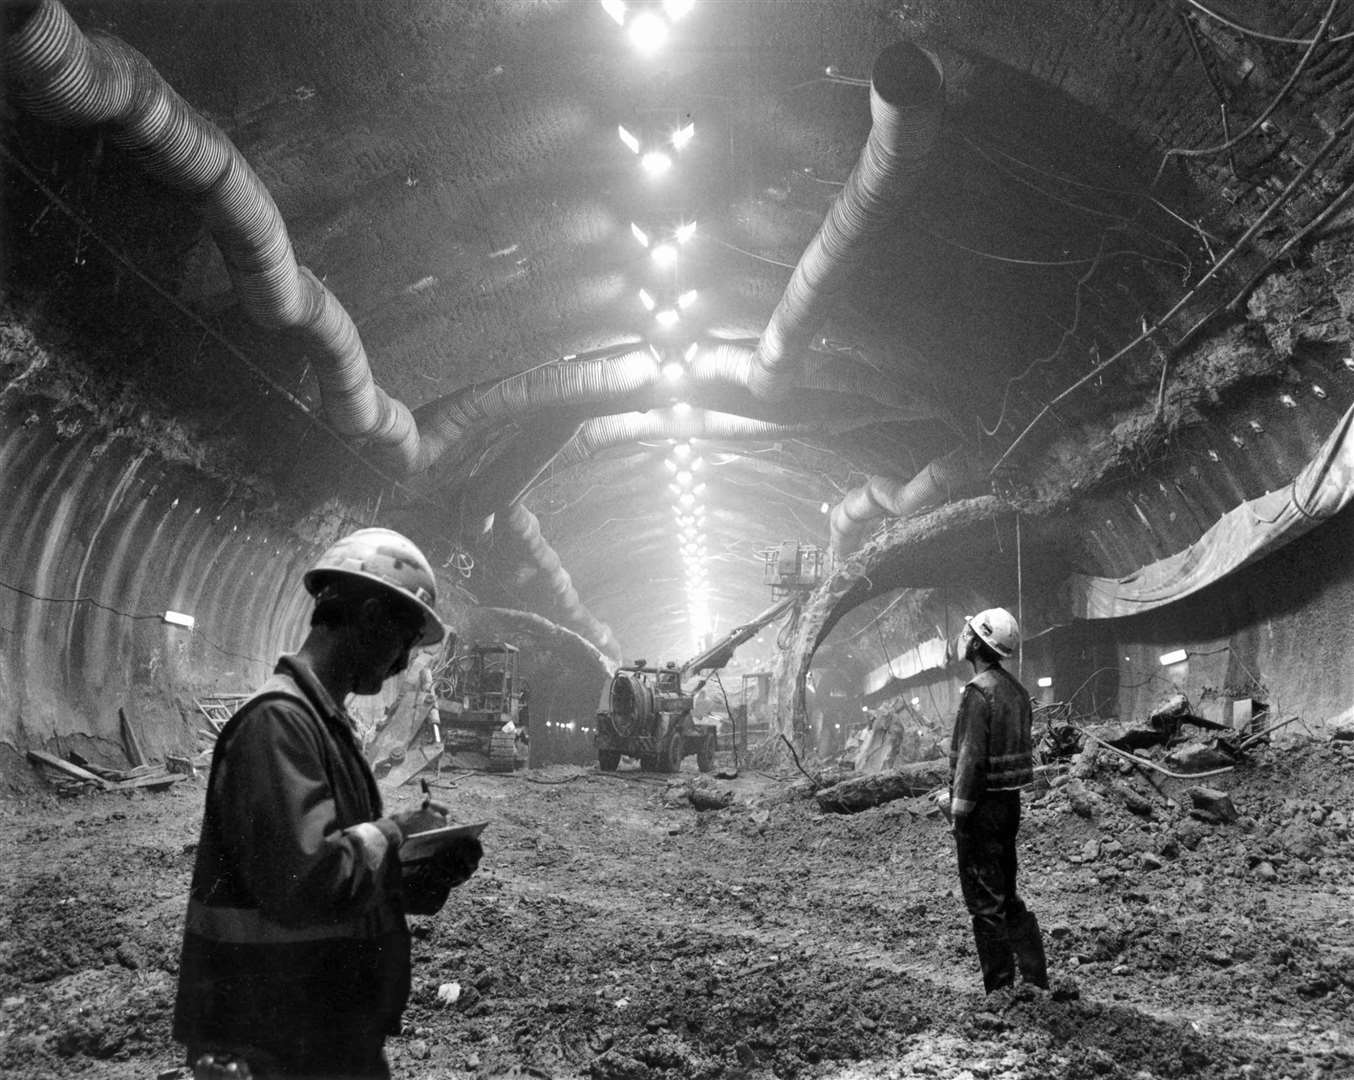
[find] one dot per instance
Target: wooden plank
(131, 742)
(155, 780)
(51, 760)
(414, 763)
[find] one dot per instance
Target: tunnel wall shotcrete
(1280, 628)
(100, 538)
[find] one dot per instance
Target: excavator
(646, 712)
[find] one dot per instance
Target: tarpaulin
(1250, 531)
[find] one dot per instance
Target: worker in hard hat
(991, 759)
(296, 951)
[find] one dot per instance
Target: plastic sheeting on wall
(1321, 490)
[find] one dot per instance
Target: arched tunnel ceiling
(453, 174)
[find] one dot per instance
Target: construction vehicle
(481, 702)
(646, 713)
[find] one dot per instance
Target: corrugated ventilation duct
(525, 525)
(79, 80)
(886, 496)
(906, 98)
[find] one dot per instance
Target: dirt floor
(615, 932)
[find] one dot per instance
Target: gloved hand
(429, 815)
(427, 882)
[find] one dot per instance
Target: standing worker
(296, 951)
(991, 759)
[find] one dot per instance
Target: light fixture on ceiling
(647, 31)
(1045, 681)
(667, 318)
(673, 371)
(178, 618)
(1176, 656)
(664, 255)
(649, 303)
(683, 135)
(628, 138)
(686, 299)
(682, 451)
(656, 162)
(823, 508)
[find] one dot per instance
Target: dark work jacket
(991, 748)
(295, 935)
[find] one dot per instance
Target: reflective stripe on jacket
(295, 930)
(991, 748)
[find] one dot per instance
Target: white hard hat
(996, 628)
(386, 558)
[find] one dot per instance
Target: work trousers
(1004, 930)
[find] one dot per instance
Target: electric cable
(230, 347)
(1255, 124)
(195, 631)
(1260, 35)
(1279, 200)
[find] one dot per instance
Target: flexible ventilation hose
(886, 496)
(906, 97)
(78, 80)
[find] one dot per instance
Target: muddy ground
(615, 932)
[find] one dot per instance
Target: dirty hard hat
(386, 558)
(996, 628)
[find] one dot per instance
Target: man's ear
(371, 615)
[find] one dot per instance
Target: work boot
(995, 958)
(1028, 945)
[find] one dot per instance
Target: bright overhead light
(1045, 680)
(683, 135)
(655, 162)
(638, 233)
(668, 317)
(673, 371)
(647, 32)
(682, 451)
(686, 499)
(648, 302)
(628, 139)
(681, 408)
(686, 299)
(685, 232)
(616, 9)
(699, 488)
(823, 508)
(664, 255)
(685, 478)
(690, 353)
(178, 618)
(1178, 656)
(677, 9)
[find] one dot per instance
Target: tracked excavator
(646, 712)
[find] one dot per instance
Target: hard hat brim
(434, 630)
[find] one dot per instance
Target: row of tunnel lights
(648, 25)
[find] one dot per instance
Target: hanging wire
(210, 331)
(750, 254)
(1255, 124)
(1275, 205)
(1251, 32)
